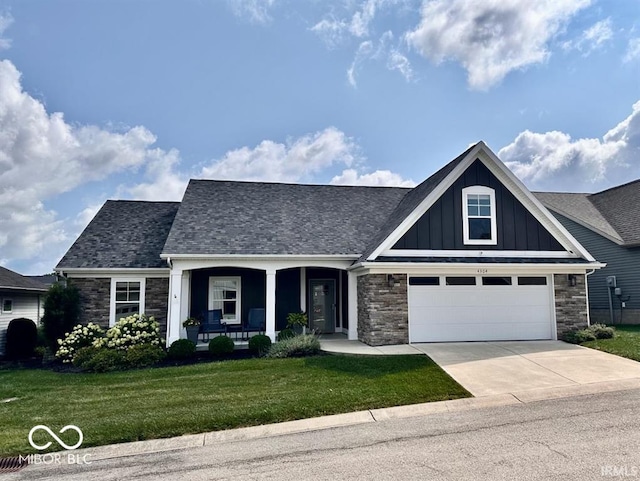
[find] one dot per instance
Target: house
(607, 223)
(469, 254)
(20, 296)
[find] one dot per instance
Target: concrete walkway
(341, 345)
(490, 368)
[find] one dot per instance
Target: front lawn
(625, 343)
(163, 402)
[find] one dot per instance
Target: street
(582, 438)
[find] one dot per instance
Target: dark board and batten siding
(440, 228)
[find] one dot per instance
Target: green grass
(163, 402)
(625, 343)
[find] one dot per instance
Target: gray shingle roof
(12, 280)
(411, 202)
(613, 212)
(258, 218)
(123, 234)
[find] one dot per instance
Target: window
(461, 281)
(532, 281)
(496, 281)
(7, 306)
(127, 298)
(424, 281)
(479, 215)
(224, 293)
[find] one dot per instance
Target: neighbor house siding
(622, 262)
(383, 312)
(440, 228)
(24, 305)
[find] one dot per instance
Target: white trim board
(476, 253)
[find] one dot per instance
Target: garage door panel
(483, 313)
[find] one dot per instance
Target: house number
(482, 271)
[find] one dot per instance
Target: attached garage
(480, 308)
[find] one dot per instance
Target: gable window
(127, 298)
(224, 294)
(479, 216)
(7, 306)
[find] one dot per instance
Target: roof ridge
(615, 187)
(301, 184)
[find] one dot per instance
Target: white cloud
(592, 38)
(490, 38)
(365, 51)
(292, 161)
(379, 178)
(42, 156)
(395, 60)
(163, 180)
(554, 161)
(256, 11)
(633, 50)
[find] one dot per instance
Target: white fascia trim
(253, 257)
(120, 272)
(426, 203)
(478, 253)
(22, 289)
(539, 211)
(474, 268)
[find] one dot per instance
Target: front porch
(325, 291)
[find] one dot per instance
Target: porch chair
(212, 323)
(256, 322)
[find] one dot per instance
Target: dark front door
(322, 315)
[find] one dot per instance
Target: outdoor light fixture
(572, 280)
(390, 280)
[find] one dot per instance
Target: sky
(114, 99)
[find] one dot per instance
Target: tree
(61, 313)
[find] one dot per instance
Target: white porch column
(352, 284)
(270, 308)
(303, 289)
(175, 298)
(185, 301)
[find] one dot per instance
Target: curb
(359, 417)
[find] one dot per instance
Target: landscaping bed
(169, 401)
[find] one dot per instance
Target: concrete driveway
(486, 368)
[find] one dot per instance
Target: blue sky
(129, 99)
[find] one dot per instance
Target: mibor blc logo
(53, 435)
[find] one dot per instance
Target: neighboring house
(469, 254)
(20, 296)
(608, 225)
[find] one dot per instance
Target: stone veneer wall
(95, 296)
(571, 303)
(383, 312)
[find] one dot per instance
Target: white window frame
(479, 190)
(11, 309)
(112, 303)
(238, 280)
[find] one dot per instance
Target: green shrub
(144, 355)
(79, 337)
(131, 331)
(221, 346)
(260, 344)
(578, 337)
(602, 332)
(297, 320)
(21, 340)
(105, 360)
(181, 349)
(84, 355)
(61, 313)
(298, 346)
(40, 351)
(285, 334)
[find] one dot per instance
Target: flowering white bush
(81, 336)
(131, 331)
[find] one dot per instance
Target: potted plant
(192, 325)
(297, 321)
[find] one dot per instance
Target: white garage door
(479, 308)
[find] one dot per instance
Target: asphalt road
(582, 438)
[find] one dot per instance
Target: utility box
(611, 281)
(617, 291)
